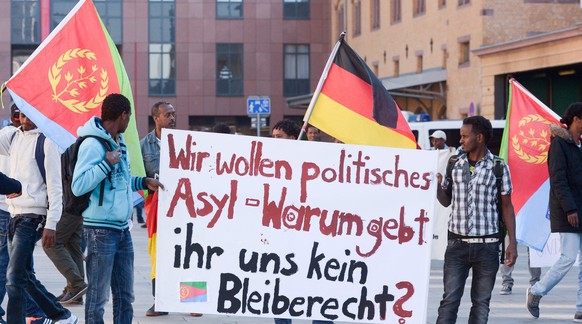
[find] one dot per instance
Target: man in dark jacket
(565, 168)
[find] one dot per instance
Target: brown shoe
(195, 315)
(152, 312)
(71, 297)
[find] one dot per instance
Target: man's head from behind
(221, 128)
(164, 115)
(286, 129)
(114, 107)
(438, 139)
(475, 132)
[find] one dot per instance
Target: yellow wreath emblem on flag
(76, 83)
(529, 137)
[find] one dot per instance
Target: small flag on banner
(193, 292)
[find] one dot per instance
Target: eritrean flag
(525, 145)
(193, 292)
(64, 82)
(353, 105)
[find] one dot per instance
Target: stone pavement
(558, 307)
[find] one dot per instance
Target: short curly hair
(289, 127)
(481, 125)
(114, 105)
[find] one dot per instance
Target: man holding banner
(473, 238)
(106, 219)
(288, 129)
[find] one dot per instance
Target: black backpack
(498, 172)
(72, 204)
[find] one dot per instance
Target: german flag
(354, 107)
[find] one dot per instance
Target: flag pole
(320, 85)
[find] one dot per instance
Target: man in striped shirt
(473, 238)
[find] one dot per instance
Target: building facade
(429, 53)
(204, 56)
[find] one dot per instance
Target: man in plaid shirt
(473, 238)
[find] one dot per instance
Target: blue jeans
(109, 264)
(571, 246)
(32, 308)
(288, 321)
(22, 236)
(460, 257)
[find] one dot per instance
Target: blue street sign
(258, 105)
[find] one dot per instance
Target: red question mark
(398, 304)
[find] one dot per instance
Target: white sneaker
(69, 320)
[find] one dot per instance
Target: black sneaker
(578, 317)
(532, 302)
(70, 297)
(152, 312)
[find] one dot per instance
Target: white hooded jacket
(36, 195)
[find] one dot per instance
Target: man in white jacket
(34, 213)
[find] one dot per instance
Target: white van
(422, 131)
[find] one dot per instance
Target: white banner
(293, 229)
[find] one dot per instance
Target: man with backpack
(67, 254)
(479, 198)
(104, 173)
(34, 161)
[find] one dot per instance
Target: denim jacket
(150, 149)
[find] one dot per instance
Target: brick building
(452, 58)
(205, 56)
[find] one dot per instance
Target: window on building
(59, 9)
(229, 9)
(25, 21)
(419, 7)
(464, 53)
(442, 3)
(341, 25)
(20, 53)
(375, 14)
(296, 9)
(396, 7)
(396, 61)
(445, 57)
(419, 63)
(162, 48)
(110, 11)
(296, 70)
(376, 68)
(357, 18)
(464, 2)
(229, 69)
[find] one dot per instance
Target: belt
(480, 240)
(28, 215)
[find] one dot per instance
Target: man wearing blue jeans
(106, 219)
(473, 238)
(32, 309)
(34, 213)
